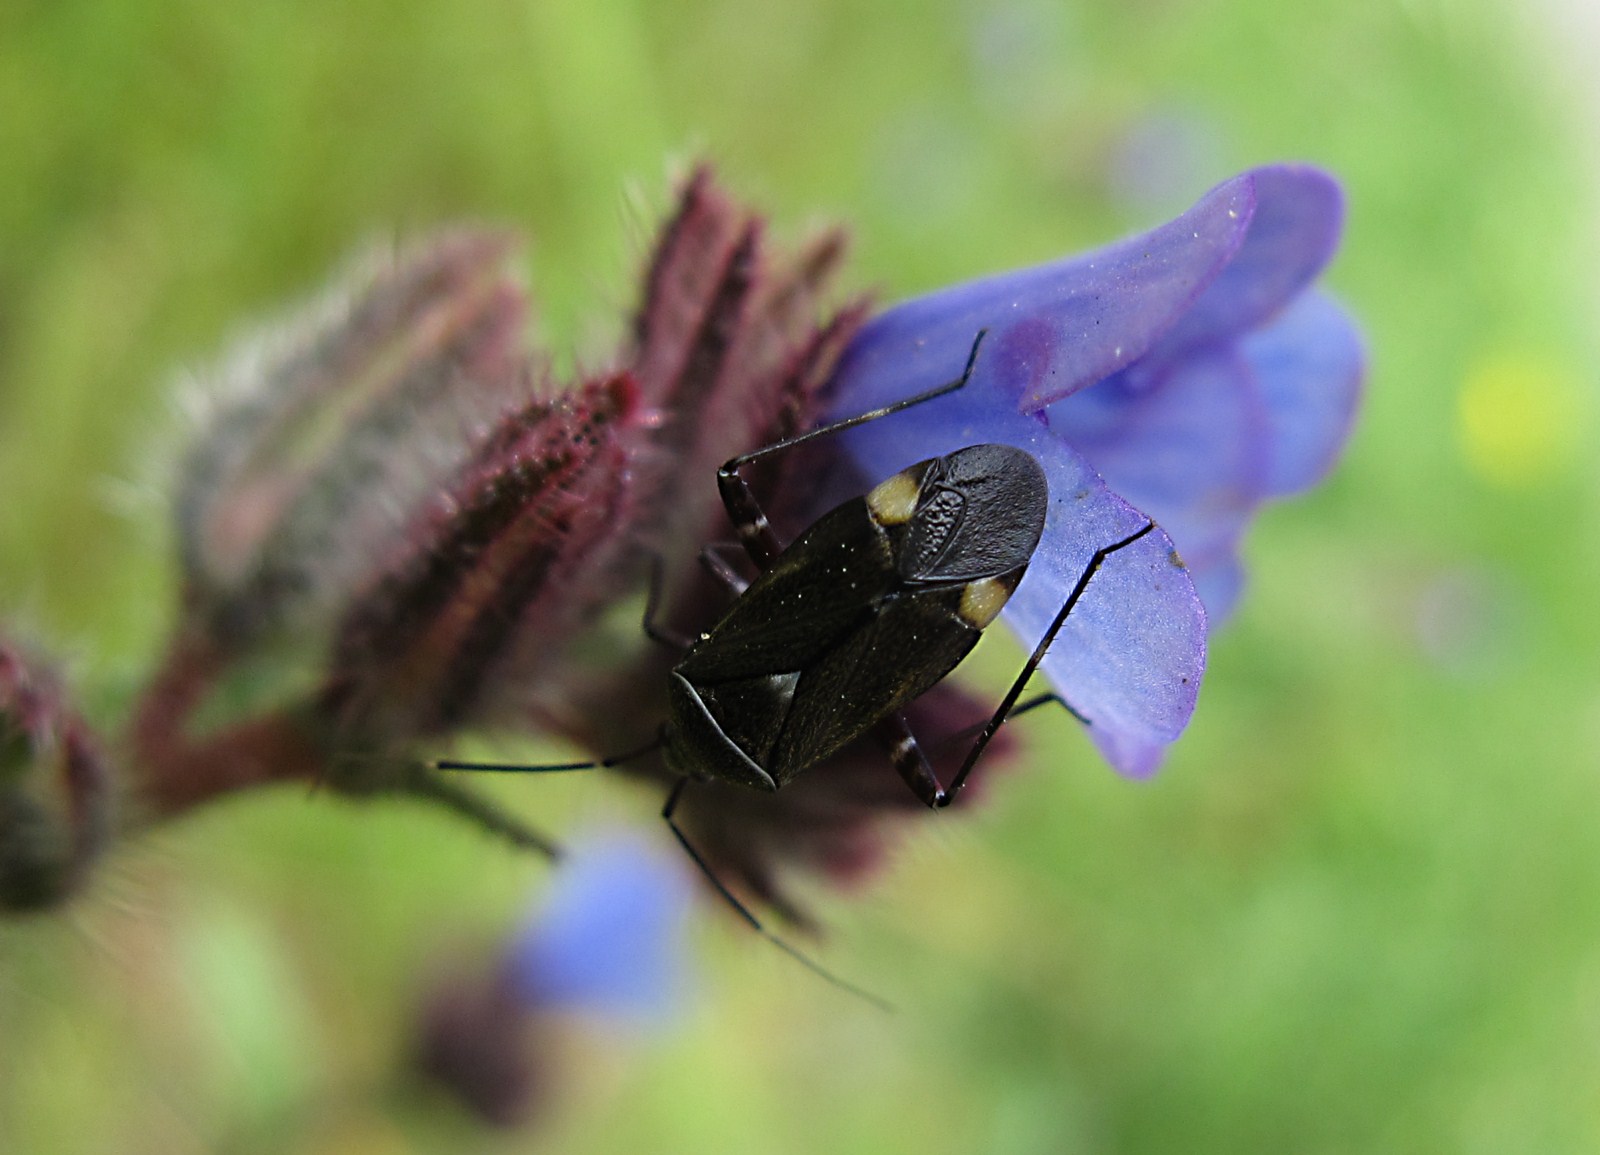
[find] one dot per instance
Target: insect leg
(654, 630)
(1044, 700)
(550, 767)
(755, 534)
(909, 761)
(721, 568)
(667, 811)
(1017, 711)
(715, 563)
(905, 751)
(1008, 703)
(487, 816)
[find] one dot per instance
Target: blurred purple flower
(608, 937)
(1192, 368)
(604, 946)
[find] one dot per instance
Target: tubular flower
(1186, 375)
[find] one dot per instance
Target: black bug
(873, 605)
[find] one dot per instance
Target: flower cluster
(391, 489)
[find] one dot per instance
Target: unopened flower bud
(321, 434)
(734, 344)
(496, 572)
(54, 789)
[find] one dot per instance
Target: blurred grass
(1360, 911)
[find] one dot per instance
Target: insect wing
(818, 590)
(893, 658)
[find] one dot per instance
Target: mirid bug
(873, 605)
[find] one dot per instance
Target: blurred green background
(1360, 911)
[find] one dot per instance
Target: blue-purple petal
(1311, 364)
(1192, 452)
(1299, 212)
(1219, 586)
(609, 936)
(1055, 328)
(1131, 655)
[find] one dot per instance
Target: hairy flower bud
(54, 789)
(319, 436)
(733, 345)
(495, 573)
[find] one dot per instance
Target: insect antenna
(487, 816)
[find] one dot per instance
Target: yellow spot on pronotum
(1519, 420)
(894, 500)
(982, 600)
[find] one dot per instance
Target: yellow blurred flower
(1519, 419)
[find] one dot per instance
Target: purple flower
(608, 937)
(1188, 374)
(605, 945)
